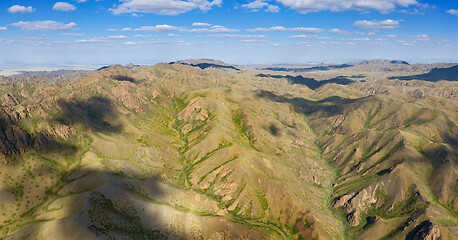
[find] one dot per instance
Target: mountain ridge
(175, 151)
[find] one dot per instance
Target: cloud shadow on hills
(94, 113)
(436, 74)
(207, 65)
(308, 69)
(108, 211)
(328, 106)
(15, 140)
(310, 82)
(122, 78)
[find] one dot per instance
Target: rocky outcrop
(355, 204)
(424, 231)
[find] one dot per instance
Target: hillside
(186, 151)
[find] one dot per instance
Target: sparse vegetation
(202, 151)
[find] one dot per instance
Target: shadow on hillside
(308, 69)
(328, 106)
(99, 204)
(115, 210)
(310, 82)
(124, 79)
(94, 113)
(208, 65)
(15, 140)
(436, 74)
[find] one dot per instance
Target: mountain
(174, 151)
(436, 74)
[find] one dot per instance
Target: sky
(100, 32)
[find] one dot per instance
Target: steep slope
(179, 152)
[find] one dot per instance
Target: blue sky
(99, 32)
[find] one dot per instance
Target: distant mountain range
(200, 149)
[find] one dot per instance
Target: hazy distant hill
(46, 76)
(436, 74)
(173, 151)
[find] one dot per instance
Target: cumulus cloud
(158, 28)
(126, 29)
(21, 9)
(306, 6)
(385, 24)
(111, 37)
(234, 36)
(63, 6)
(272, 8)
(213, 29)
(312, 36)
(256, 5)
(93, 40)
(276, 28)
(250, 41)
(282, 29)
(199, 24)
(452, 12)
(3, 28)
(306, 30)
(164, 7)
(44, 25)
(339, 31)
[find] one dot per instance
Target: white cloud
(164, 7)
(385, 24)
(250, 41)
(126, 29)
(421, 36)
(129, 43)
(112, 29)
(3, 28)
(214, 29)
(257, 5)
(234, 36)
(282, 29)
(93, 40)
(306, 6)
(44, 25)
(272, 8)
(173, 35)
(276, 28)
(159, 41)
(21, 9)
(306, 30)
(453, 12)
(312, 36)
(199, 24)
(341, 32)
(63, 6)
(111, 37)
(158, 28)
(80, 1)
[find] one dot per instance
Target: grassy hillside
(174, 151)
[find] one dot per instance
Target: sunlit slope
(174, 151)
(165, 151)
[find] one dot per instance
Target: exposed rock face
(424, 231)
(177, 152)
(13, 139)
(356, 203)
